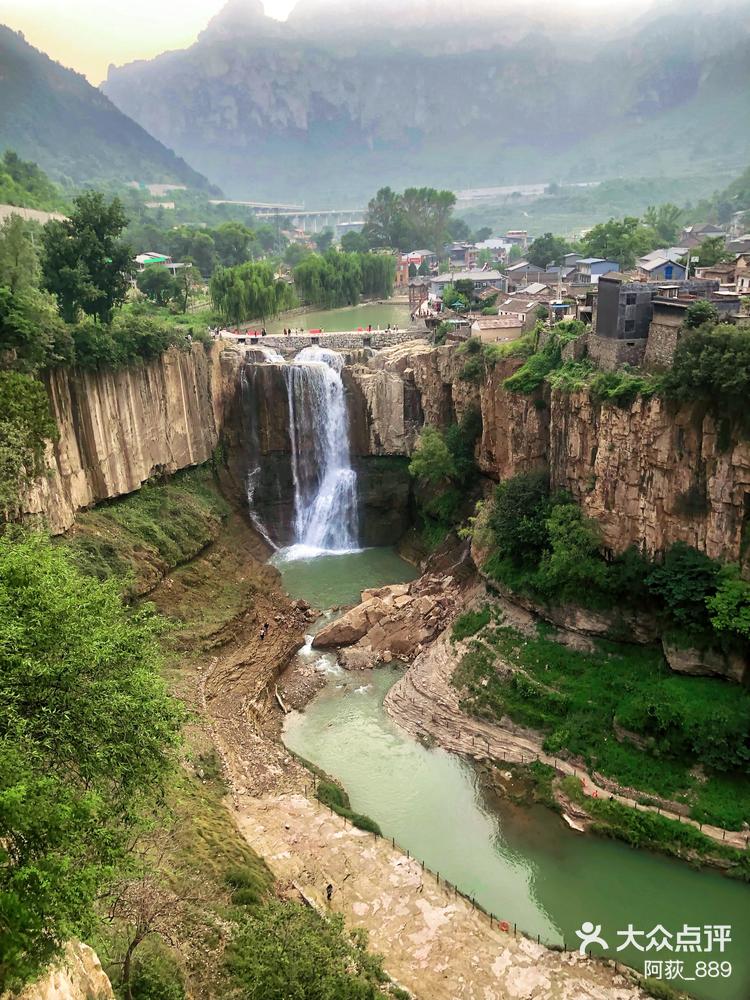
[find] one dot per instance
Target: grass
(574, 699)
(153, 530)
(333, 795)
(470, 623)
(652, 831)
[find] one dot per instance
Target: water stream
(523, 864)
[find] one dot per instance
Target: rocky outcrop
(706, 662)
(119, 428)
(394, 621)
(78, 975)
(651, 474)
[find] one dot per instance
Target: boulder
(706, 662)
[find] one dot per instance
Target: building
(693, 236)
(523, 273)
(742, 273)
(418, 257)
(517, 237)
(480, 279)
(723, 273)
(151, 259)
(462, 255)
(419, 292)
(522, 310)
(668, 322)
(590, 269)
(623, 313)
(496, 329)
(662, 269)
(401, 279)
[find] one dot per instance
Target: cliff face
(119, 428)
(650, 474)
(78, 975)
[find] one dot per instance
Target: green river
(351, 318)
(523, 864)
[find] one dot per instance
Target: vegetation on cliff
(445, 472)
(623, 712)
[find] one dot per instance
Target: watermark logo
(706, 939)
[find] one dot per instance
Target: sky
(88, 35)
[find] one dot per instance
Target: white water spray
(325, 485)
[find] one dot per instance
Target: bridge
(309, 220)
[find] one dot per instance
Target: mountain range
(343, 99)
(53, 116)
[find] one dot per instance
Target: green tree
(482, 234)
(289, 951)
(623, 240)
(294, 253)
(323, 240)
(729, 607)
(573, 562)
(665, 221)
(424, 269)
(683, 581)
(157, 284)
(547, 249)
(518, 519)
(352, 242)
(25, 427)
(250, 291)
(700, 312)
(428, 216)
(19, 261)
(232, 243)
(32, 335)
(186, 283)
(87, 735)
(385, 223)
(85, 264)
(432, 461)
(412, 270)
(711, 251)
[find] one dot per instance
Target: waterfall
(324, 515)
(325, 485)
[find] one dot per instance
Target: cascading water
(324, 515)
(325, 484)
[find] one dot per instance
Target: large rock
(77, 975)
(707, 662)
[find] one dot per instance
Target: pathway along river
(523, 864)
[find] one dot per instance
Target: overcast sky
(88, 35)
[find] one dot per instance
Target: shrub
(470, 622)
(156, 976)
(712, 363)
(683, 581)
(729, 607)
(432, 461)
(700, 312)
(622, 387)
(518, 518)
(25, 426)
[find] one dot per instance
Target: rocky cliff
(118, 428)
(78, 975)
(650, 474)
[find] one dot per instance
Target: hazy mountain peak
(237, 18)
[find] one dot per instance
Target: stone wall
(610, 353)
(118, 428)
(663, 337)
(351, 341)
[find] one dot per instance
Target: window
(668, 271)
(629, 326)
(630, 299)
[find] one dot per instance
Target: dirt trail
(425, 703)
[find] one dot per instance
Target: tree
(185, 283)
(87, 736)
(424, 269)
(86, 265)
(664, 220)
(729, 607)
(385, 224)
(289, 951)
(250, 291)
(352, 242)
(19, 261)
(323, 240)
(683, 581)
(412, 270)
(428, 215)
(157, 284)
(700, 312)
(623, 240)
(432, 461)
(518, 518)
(482, 234)
(294, 253)
(711, 251)
(547, 249)
(25, 427)
(458, 230)
(232, 242)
